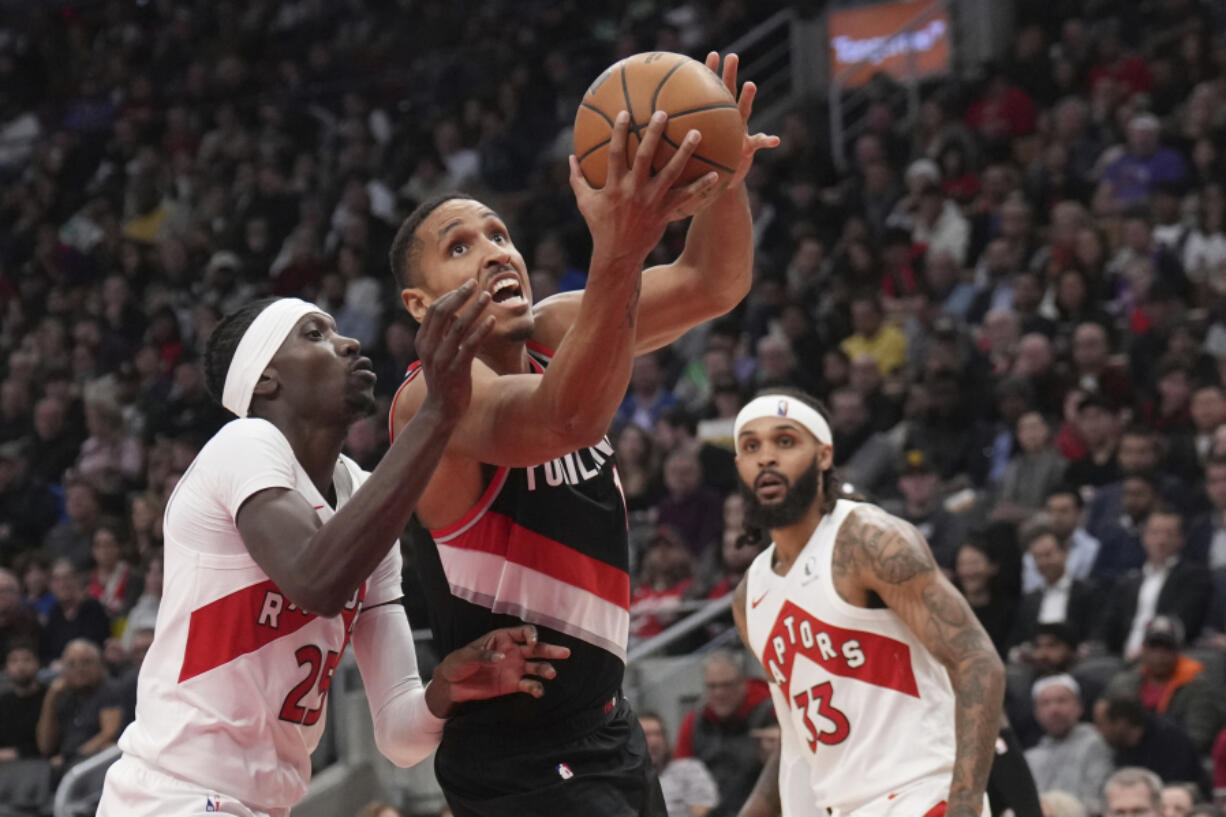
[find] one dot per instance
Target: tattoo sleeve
(889, 556)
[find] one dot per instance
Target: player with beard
(887, 689)
(279, 551)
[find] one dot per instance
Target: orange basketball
(689, 92)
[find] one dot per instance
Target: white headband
(1062, 680)
(780, 405)
(259, 343)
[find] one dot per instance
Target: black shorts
(604, 772)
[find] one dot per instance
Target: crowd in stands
(1014, 308)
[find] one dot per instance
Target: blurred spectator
(1071, 756)
(1132, 178)
(1036, 469)
(1133, 790)
(1122, 538)
(675, 430)
(54, 444)
(17, 622)
(27, 507)
(380, 810)
(75, 615)
(145, 523)
(80, 715)
(110, 459)
(1166, 585)
(1062, 509)
(72, 539)
(884, 342)
(1139, 738)
(1170, 683)
(689, 506)
(144, 613)
(1178, 799)
(1061, 804)
(647, 399)
(975, 574)
(665, 578)
(689, 790)
(639, 467)
(921, 505)
(34, 569)
(718, 733)
(1003, 112)
(1062, 599)
(20, 705)
(112, 581)
(865, 457)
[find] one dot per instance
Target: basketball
(692, 96)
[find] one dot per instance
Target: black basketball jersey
(545, 545)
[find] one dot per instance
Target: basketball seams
(626, 95)
(719, 106)
(698, 156)
(593, 149)
(597, 111)
(655, 95)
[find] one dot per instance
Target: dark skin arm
(764, 799)
(320, 566)
(877, 552)
(109, 722)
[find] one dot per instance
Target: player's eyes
(457, 249)
(785, 441)
(315, 334)
(498, 237)
(752, 445)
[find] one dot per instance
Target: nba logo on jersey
(212, 803)
(782, 408)
(810, 570)
(564, 771)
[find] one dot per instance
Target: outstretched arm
(571, 405)
(715, 270)
(889, 557)
(320, 566)
(764, 799)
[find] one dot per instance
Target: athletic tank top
(866, 711)
(545, 545)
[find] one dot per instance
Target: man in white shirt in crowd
(1071, 756)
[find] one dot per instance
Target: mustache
(757, 483)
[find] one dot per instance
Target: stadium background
(994, 245)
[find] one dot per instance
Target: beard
(361, 404)
(787, 511)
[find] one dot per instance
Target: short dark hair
(406, 246)
(680, 417)
(1059, 631)
(1035, 532)
(1127, 708)
(21, 644)
(223, 342)
(1064, 489)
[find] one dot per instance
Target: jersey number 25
(322, 669)
(818, 697)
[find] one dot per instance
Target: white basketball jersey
(866, 712)
(231, 694)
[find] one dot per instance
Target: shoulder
(871, 542)
(553, 317)
(235, 437)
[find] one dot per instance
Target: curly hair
(223, 342)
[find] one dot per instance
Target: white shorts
(136, 789)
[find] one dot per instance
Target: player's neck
(316, 448)
(790, 541)
(506, 356)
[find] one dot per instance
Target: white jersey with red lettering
(231, 694)
(866, 711)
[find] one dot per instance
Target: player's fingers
(438, 314)
(488, 656)
(531, 686)
(578, 182)
(617, 147)
(553, 652)
(460, 323)
(731, 63)
(541, 669)
(687, 200)
(713, 62)
(764, 140)
(647, 147)
(669, 174)
(745, 102)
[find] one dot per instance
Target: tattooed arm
(883, 554)
(764, 799)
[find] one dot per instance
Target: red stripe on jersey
(540, 348)
(501, 536)
(409, 374)
(870, 657)
(229, 627)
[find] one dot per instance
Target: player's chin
(516, 328)
(361, 402)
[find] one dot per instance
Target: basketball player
(887, 689)
(278, 551)
(524, 521)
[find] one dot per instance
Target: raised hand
(450, 335)
(502, 662)
(630, 213)
(753, 142)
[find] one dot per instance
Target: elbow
(403, 753)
